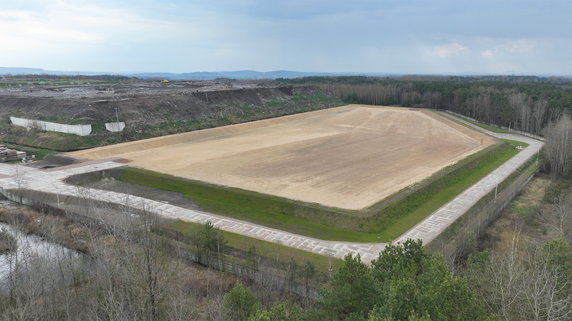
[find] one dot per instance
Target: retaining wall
(81, 130)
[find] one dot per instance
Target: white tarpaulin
(81, 130)
(115, 127)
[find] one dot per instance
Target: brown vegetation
(127, 275)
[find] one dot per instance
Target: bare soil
(348, 157)
(139, 104)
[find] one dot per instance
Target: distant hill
(240, 74)
(203, 75)
(253, 75)
(39, 71)
(21, 71)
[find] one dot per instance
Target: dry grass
(520, 219)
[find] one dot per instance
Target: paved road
(51, 181)
(437, 222)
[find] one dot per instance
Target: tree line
(523, 105)
(537, 105)
(131, 274)
(407, 283)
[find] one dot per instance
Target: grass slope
(376, 224)
(52, 140)
(39, 153)
(266, 249)
(491, 128)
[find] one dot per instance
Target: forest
(523, 103)
(125, 272)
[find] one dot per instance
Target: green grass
(493, 129)
(265, 249)
(379, 223)
(40, 153)
(516, 143)
(403, 215)
(52, 140)
(251, 206)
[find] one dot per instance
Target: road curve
(436, 223)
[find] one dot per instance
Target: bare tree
(560, 217)
(539, 115)
(20, 179)
(523, 283)
(545, 291)
(558, 146)
(520, 104)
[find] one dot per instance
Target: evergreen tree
(351, 292)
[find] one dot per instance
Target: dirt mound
(146, 103)
(149, 109)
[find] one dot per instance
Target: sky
(373, 36)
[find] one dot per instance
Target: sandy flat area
(348, 157)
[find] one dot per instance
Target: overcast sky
(394, 36)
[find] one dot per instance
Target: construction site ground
(348, 157)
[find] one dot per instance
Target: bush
(239, 303)
(403, 283)
(279, 312)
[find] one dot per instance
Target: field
(349, 157)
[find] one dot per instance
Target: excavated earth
(144, 103)
(149, 108)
